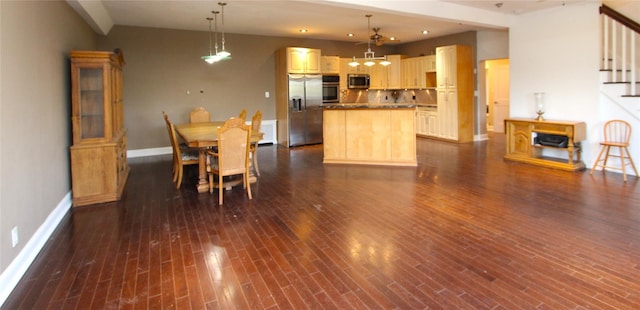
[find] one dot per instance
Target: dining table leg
(203, 182)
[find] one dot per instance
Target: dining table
(204, 136)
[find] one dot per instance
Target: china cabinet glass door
(92, 116)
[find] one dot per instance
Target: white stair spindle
(634, 56)
(614, 56)
(623, 57)
(605, 43)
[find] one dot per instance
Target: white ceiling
(329, 20)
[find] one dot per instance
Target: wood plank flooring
(463, 230)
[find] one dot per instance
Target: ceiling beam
(445, 11)
(94, 13)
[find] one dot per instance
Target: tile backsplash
(422, 96)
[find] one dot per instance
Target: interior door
(499, 81)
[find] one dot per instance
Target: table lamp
(539, 105)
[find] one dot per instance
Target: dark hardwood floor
(463, 230)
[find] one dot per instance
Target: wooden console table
(521, 133)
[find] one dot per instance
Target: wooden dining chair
(243, 114)
(199, 115)
(232, 155)
(182, 155)
(256, 123)
(617, 134)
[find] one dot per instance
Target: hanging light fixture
(369, 56)
(211, 58)
(223, 54)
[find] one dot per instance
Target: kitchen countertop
(369, 106)
(430, 106)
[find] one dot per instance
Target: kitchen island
(371, 134)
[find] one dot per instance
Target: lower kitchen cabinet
(422, 123)
(427, 122)
(432, 123)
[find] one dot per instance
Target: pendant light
(211, 58)
(223, 54)
(369, 56)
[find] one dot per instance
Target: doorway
(496, 88)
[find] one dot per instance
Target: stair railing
(620, 37)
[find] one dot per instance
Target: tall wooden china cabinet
(99, 167)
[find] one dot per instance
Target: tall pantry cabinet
(99, 167)
(454, 80)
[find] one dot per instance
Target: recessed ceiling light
(349, 34)
(425, 31)
(303, 30)
(392, 38)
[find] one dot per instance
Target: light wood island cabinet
(99, 167)
(370, 135)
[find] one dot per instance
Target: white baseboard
(149, 152)
(481, 137)
(17, 268)
(269, 128)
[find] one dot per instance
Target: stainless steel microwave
(358, 81)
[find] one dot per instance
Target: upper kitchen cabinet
(410, 72)
(455, 92)
(387, 77)
(347, 69)
(99, 167)
(430, 63)
(414, 71)
(303, 60)
(330, 64)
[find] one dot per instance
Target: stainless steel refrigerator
(305, 109)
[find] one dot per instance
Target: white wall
(35, 125)
(556, 51)
(492, 44)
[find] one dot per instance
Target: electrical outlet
(14, 236)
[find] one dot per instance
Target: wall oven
(330, 89)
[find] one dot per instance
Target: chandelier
(223, 53)
(211, 58)
(369, 56)
(219, 55)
